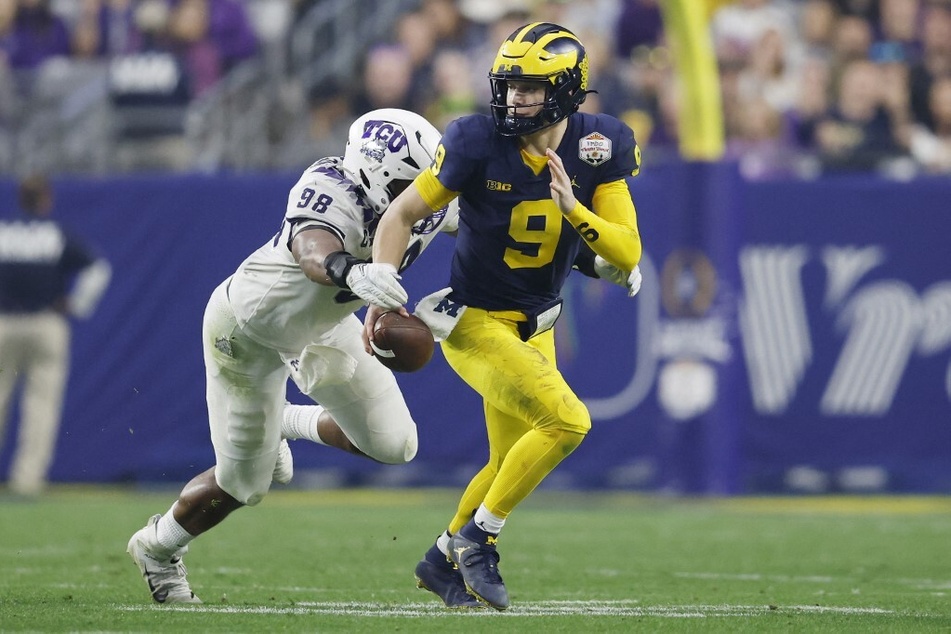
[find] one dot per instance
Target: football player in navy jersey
(537, 182)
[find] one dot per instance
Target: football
(403, 344)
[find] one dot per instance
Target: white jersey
(273, 301)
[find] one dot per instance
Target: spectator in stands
(134, 79)
(590, 16)
(498, 18)
(452, 28)
(857, 133)
(770, 72)
(851, 41)
(935, 59)
(416, 34)
(931, 146)
(760, 145)
(639, 23)
(329, 117)
(8, 101)
(895, 88)
(812, 101)
(323, 131)
(37, 34)
(105, 28)
(652, 112)
(611, 94)
(8, 12)
(452, 89)
(46, 276)
(387, 80)
(736, 27)
(899, 26)
(212, 36)
(151, 19)
(817, 20)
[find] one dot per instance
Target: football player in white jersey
(287, 312)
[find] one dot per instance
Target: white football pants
(246, 389)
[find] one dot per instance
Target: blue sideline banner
(846, 319)
(789, 337)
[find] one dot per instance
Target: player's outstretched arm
(311, 248)
(393, 232)
(390, 242)
(321, 257)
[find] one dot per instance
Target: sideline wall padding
(789, 337)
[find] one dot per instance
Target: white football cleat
(166, 577)
(284, 468)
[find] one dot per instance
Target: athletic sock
(476, 531)
(170, 535)
(488, 521)
(300, 421)
(442, 542)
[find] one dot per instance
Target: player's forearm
(315, 271)
(617, 243)
(392, 237)
(394, 231)
(311, 248)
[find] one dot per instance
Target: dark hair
(34, 192)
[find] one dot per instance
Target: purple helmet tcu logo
(380, 137)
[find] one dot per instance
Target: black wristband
(338, 265)
(584, 262)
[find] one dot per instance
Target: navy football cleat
(479, 565)
(445, 582)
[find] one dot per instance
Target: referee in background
(46, 277)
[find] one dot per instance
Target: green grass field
(342, 561)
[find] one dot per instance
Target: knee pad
(393, 449)
(569, 414)
(244, 484)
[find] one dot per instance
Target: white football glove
(377, 283)
(607, 271)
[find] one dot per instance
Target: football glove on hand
(377, 283)
(607, 271)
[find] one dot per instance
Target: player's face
(525, 98)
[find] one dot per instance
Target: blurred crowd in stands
(207, 37)
(807, 86)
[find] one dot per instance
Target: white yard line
(548, 608)
(754, 576)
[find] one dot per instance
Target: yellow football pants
(533, 418)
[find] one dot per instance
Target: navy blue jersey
(514, 248)
(38, 261)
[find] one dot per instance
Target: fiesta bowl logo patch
(594, 149)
